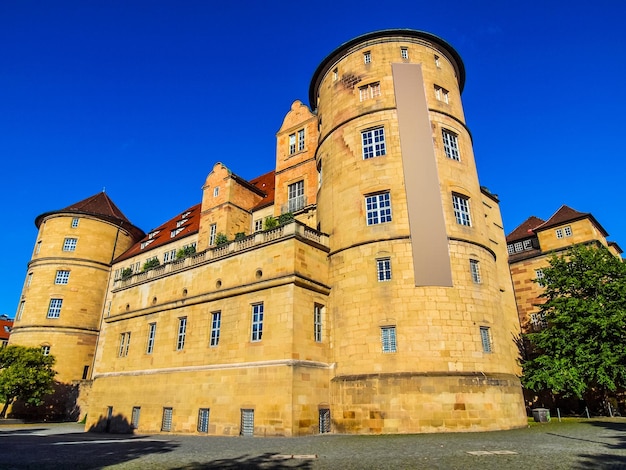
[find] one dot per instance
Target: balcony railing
(291, 229)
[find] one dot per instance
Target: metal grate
(324, 420)
(247, 423)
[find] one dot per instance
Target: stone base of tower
(426, 403)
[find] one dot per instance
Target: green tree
(25, 374)
(583, 348)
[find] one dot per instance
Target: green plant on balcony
(285, 218)
(269, 223)
(151, 263)
(240, 236)
(221, 239)
(126, 273)
(185, 251)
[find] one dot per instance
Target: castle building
(362, 286)
(534, 242)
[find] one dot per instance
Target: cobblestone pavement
(571, 444)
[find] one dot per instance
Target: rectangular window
(539, 273)
(485, 338)
(369, 91)
(124, 344)
(317, 322)
(335, 75)
(151, 337)
(437, 61)
(559, 233)
(461, 210)
(182, 333)
(258, 225)
(62, 277)
(203, 420)
(20, 310)
(247, 423)
(257, 322)
(38, 247)
(441, 94)
(567, 231)
(388, 339)
(404, 53)
(295, 196)
(367, 57)
(69, 244)
(45, 350)
(373, 143)
(378, 208)
(383, 269)
(510, 248)
(134, 417)
(75, 222)
(216, 323)
(300, 140)
(54, 309)
(166, 422)
(451, 145)
(85, 372)
(519, 246)
(475, 270)
(168, 257)
(216, 191)
(212, 234)
(528, 244)
(29, 279)
(292, 144)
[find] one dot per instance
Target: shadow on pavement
(607, 461)
(265, 461)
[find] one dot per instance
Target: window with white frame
(203, 420)
(54, 308)
(295, 196)
(528, 244)
(45, 350)
(134, 417)
(173, 233)
(510, 248)
(212, 234)
(182, 333)
(147, 242)
(378, 208)
(166, 422)
(216, 323)
(300, 140)
(180, 223)
(567, 231)
(367, 57)
(475, 270)
(258, 225)
(151, 338)
(216, 191)
(441, 94)
(257, 322)
(388, 339)
(69, 244)
(62, 277)
(383, 269)
(292, 144)
(335, 75)
(369, 91)
(485, 338)
(124, 344)
(75, 222)
(317, 322)
(20, 310)
(451, 145)
(169, 256)
(461, 210)
(373, 143)
(404, 53)
(539, 274)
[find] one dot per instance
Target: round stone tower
(422, 308)
(66, 282)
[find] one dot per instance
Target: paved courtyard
(571, 444)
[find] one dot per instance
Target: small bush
(151, 263)
(221, 239)
(269, 223)
(285, 218)
(240, 236)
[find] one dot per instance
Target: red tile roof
(566, 214)
(525, 229)
(101, 206)
(265, 183)
(188, 221)
(5, 327)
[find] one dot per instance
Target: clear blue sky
(143, 97)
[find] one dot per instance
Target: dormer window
(173, 233)
(146, 243)
(185, 215)
(151, 235)
(181, 222)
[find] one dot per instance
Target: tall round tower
(62, 299)
(422, 309)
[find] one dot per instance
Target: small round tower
(422, 308)
(63, 296)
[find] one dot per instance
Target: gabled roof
(525, 229)
(187, 221)
(265, 183)
(567, 214)
(100, 206)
